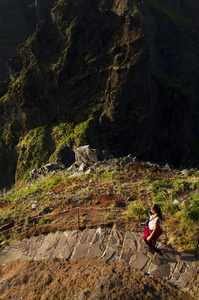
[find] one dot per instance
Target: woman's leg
(151, 247)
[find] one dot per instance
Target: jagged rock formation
(122, 68)
(180, 269)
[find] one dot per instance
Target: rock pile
(43, 171)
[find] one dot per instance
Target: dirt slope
(81, 279)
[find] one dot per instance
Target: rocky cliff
(17, 22)
(120, 75)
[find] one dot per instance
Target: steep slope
(60, 279)
(104, 62)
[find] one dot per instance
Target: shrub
(147, 182)
(171, 207)
(134, 209)
(54, 181)
(193, 212)
(43, 221)
(161, 195)
(161, 184)
(184, 186)
(109, 217)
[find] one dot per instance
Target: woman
(153, 230)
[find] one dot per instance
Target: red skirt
(147, 233)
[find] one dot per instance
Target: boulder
(86, 155)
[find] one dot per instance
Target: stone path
(180, 269)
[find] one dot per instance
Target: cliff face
(17, 22)
(109, 62)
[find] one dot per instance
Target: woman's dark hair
(157, 210)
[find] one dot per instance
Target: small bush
(87, 176)
(54, 181)
(171, 207)
(134, 209)
(43, 221)
(147, 182)
(109, 217)
(184, 186)
(162, 195)
(193, 212)
(157, 185)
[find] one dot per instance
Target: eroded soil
(81, 279)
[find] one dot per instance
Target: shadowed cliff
(119, 75)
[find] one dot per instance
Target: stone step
(83, 245)
(61, 243)
(129, 247)
(185, 272)
(164, 267)
(99, 243)
(48, 246)
(114, 246)
(67, 244)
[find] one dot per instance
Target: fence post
(138, 220)
(78, 217)
(195, 254)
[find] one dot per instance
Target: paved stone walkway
(180, 269)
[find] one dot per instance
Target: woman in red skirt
(153, 230)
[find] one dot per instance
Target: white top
(152, 223)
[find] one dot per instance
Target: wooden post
(138, 220)
(196, 249)
(78, 217)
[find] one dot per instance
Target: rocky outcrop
(43, 171)
(88, 156)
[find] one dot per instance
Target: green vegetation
(109, 217)
(136, 208)
(2, 99)
(41, 145)
(69, 134)
(34, 150)
(43, 221)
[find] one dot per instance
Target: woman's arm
(156, 225)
